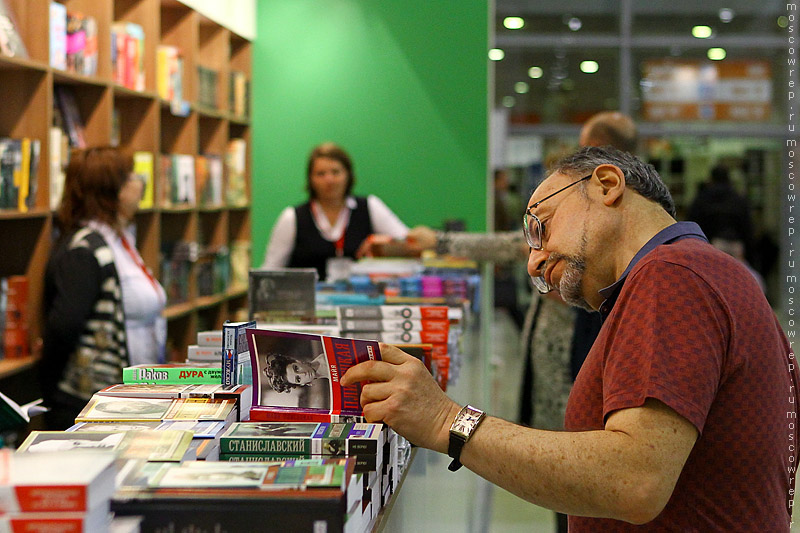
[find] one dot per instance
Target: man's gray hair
(639, 176)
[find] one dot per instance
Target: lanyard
(339, 244)
(138, 260)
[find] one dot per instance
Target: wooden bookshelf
(145, 123)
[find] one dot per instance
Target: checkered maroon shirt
(692, 329)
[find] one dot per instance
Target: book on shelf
(114, 408)
(55, 481)
(235, 161)
(127, 55)
(296, 376)
(58, 35)
(240, 263)
(143, 168)
(236, 363)
(14, 416)
(16, 317)
(11, 43)
(208, 175)
(282, 294)
(71, 116)
(207, 87)
(239, 94)
(303, 438)
(19, 163)
(169, 73)
(177, 180)
(81, 43)
(59, 156)
(174, 373)
(150, 445)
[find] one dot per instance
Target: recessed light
(702, 32)
(509, 101)
(589, 67)
(521, 87)
(716, 54)
(726, 14)
(513, 23)
(496, 54)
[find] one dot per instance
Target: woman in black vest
(331, 223)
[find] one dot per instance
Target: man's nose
(536, 262)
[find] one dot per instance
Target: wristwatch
(461, 430)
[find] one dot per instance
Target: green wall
(400, 84)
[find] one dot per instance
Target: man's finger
(368, 371)
(375, 392)
(393, 354)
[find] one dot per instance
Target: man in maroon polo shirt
(683, 416)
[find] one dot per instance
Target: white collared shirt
(281, 242)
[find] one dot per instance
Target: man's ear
(612, 183)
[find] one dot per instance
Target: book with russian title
(236, 363)
(296, 371)
(114, 408)
(301, 438)
(174, 373)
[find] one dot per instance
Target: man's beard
(572, 280)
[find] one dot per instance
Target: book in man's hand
(296, 376)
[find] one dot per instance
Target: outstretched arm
(627, 471)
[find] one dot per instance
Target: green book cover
(173, 373)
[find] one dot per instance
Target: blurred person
(656, 422)
(332, 223)
(102, 305)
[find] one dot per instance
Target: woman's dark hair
(331, 151)
(275, 370)
(639, 176)
(92, 183)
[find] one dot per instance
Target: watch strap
(454, 448)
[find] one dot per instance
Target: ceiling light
(716, 54)
(496, 54)
(521, 87)
(535, 72)
(574, 23)
(509, 101)
(513, 23)
(726, 15)
(589, 67)
(783, 21)
(702, 32)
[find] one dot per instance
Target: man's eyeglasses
(533, 228)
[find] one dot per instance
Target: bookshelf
(140, 120)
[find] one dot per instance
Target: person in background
(678, 417)
(721, 211)
(332, 223)
(102, 305)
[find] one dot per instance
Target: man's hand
(399, 391)
(421, 238)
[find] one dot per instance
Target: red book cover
(301, 372)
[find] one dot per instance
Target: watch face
(466, 421)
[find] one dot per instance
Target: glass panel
(563, 93)
(670, 17)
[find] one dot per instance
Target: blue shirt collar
(670, 234)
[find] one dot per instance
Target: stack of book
(19, 167)
(289, 496)
(56, 491)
